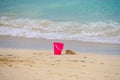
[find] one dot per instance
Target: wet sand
(43, 44)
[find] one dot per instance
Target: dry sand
(16, 64)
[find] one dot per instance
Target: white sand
(43, 65)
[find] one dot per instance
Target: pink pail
(58, 46)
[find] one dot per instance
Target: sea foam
(107, 32)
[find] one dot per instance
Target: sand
(23, 64)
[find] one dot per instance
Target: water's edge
(44, 44)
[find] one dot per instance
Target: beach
(88, 28)
(34, 59)
(17, 64)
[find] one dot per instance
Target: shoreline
(44, 44)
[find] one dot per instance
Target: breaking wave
(107, 32)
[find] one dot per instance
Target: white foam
(90, 32)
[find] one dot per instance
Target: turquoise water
(67, 10)
(84, 20)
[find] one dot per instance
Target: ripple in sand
(57, 61)
(82, 73)
(85, 57)
(101, 63)
(82, 61)
(30, 65)
(9, 55)
(105, 76)
(83, 65)
(116, 73)
(10, 65)
(51, 57)
(91, 62)
(74, 60)
(52, 64)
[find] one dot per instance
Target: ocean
(83, 20)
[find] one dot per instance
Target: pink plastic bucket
(58, 46)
